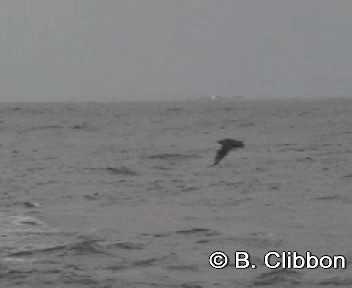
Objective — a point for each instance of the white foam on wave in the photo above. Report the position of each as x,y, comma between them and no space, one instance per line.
22,233
22,224
17,260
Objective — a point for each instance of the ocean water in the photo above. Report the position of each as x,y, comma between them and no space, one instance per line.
124,195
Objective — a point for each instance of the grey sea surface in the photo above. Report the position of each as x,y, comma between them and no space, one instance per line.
123,195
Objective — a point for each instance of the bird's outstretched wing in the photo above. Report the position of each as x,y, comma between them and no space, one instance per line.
226,146
220,154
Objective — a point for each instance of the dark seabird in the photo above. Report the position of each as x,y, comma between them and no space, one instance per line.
226,146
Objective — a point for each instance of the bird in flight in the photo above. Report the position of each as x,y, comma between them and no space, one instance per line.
226,146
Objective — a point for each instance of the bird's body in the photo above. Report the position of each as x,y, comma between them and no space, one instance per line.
226,146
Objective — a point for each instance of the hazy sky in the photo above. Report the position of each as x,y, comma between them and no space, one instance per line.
80,50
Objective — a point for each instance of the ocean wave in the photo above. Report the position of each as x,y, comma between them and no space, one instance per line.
39,128
173,156
281,276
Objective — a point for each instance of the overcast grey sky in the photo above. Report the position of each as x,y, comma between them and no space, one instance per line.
63,50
